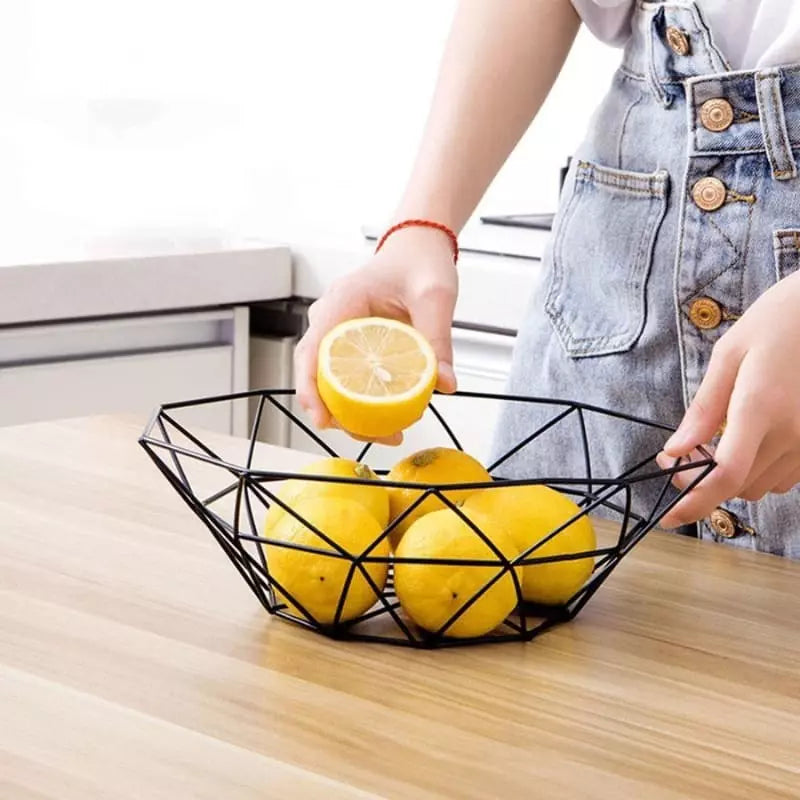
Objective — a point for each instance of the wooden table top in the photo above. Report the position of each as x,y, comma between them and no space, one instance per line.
134,663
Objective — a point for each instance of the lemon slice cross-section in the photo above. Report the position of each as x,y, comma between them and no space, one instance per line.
376,376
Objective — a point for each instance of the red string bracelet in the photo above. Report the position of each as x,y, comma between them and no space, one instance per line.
422,223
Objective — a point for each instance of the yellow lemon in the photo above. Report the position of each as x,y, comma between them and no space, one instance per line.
317,581
374,498
437,465
530,513
376,376
431,593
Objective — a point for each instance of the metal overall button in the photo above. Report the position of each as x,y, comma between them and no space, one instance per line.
724,524
716,115
705,313
678,41
709,194
727,525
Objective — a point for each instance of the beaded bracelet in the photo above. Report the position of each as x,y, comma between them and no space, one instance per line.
422,223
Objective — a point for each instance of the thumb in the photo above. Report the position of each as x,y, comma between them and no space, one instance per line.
432,315
707,411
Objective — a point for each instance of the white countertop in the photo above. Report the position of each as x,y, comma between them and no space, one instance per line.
67,279
77,279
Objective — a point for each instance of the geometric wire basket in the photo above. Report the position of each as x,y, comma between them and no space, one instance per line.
231,490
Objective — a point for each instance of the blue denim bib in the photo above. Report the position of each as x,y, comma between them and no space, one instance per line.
680,208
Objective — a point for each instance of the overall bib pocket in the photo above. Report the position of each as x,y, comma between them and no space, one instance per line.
601,257
786,246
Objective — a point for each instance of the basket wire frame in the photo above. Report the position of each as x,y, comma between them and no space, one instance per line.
174,449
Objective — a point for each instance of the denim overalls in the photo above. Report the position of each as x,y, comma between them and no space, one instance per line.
679,209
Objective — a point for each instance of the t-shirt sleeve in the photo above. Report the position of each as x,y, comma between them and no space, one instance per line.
608,20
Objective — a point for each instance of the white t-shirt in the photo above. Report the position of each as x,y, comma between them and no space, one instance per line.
750,33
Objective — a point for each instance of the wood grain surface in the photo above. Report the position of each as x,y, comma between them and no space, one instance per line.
134,663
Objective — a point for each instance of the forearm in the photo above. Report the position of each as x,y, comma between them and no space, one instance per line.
500,62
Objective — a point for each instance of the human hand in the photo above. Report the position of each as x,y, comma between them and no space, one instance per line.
412,279
752,385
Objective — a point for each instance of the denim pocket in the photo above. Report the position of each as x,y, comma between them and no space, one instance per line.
601,257
786,246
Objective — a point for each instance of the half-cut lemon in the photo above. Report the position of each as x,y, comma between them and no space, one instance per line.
375,375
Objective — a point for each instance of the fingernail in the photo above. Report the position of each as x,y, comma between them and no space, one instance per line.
676,441
446,375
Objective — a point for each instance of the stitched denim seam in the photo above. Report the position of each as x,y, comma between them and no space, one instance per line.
761,82
742,151
627,189
627,182
556,275
636,76
745,251
781,125
778,106
737,256
644,259
625,118
624,180
793,234
710,46
786,262
725,237
783,133
653,80
699,290
680,326
785,254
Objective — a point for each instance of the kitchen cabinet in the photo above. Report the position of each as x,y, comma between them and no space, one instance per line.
271,368
128,364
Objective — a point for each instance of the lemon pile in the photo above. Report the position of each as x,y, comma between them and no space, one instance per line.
329,560
447,577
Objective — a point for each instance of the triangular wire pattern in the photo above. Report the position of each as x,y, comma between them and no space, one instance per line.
234,507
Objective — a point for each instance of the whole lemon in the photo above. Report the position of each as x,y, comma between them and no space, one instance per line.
431,593
529,513
436,465
317,581
374,498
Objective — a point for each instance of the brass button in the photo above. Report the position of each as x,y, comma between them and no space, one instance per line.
705,313
723,523
678,41
716,115
709,194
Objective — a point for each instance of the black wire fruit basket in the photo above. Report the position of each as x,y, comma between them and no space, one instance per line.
231,484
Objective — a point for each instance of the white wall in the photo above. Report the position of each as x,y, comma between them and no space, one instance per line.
174,119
